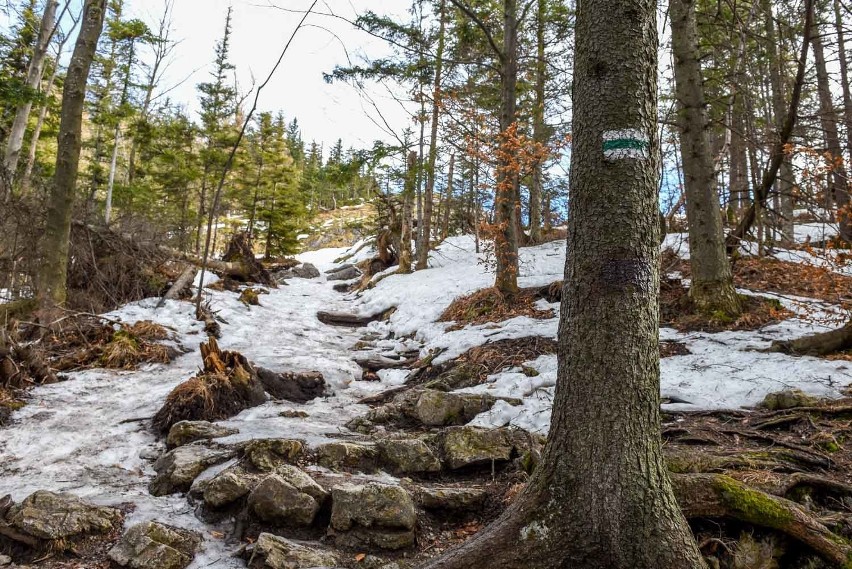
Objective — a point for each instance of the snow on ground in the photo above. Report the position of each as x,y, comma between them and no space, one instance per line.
89,435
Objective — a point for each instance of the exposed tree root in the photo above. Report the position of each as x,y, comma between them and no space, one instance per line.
820,344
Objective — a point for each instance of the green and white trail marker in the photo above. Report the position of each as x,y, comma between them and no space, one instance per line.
625,144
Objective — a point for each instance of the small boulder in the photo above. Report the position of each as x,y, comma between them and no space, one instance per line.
372,505
788,399
451,499
277,501
438,408
408,456
227,487
5,559
344,273
46,515
347,456
274,552
268,454
177,469
185,432
473,446
300,480
152,545
306,271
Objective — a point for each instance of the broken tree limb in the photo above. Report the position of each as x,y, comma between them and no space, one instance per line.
817,344
720,496
181,284
377,362
298,387
350,320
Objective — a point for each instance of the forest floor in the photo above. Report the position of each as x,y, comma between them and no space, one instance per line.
90,435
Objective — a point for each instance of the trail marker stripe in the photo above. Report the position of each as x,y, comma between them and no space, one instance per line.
625,144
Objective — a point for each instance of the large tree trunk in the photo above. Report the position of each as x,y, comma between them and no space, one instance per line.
426,236
505,213
51,284
34,75
601,497
712,289
834,154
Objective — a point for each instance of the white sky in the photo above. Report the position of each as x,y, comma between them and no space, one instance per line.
325,112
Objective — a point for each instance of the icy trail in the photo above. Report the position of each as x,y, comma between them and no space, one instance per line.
89,435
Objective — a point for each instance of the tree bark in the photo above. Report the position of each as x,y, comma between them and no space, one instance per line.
844,77
712,289
601,497
426,236
52,279
34,76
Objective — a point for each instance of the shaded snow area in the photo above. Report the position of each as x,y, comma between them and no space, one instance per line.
90,435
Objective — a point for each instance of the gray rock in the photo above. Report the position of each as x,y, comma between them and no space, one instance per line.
274,552
227,487
46,515
451,498
438,408
276,500
471,446
268,454
300,480
306,271
347,456
788,399
179,467
5,560
344,273
152,545
408,456
370,505
185,432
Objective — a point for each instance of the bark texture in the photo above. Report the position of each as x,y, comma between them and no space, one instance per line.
712,289
51,285
601,497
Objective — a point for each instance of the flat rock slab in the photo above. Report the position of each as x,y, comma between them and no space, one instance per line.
152,545
373,515
185,432
46,515
177,469
274,552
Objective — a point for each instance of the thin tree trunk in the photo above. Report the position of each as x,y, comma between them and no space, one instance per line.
426,230
505,212
844,77
601,497
448,196
34,77
834,157
539,133
405,256
712,289
52,279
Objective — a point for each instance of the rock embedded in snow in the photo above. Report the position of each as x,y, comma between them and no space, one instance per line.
343,273
274,552
451,499
277,501
268,454
185,432
438,408
347,456
373,514
46,515
473,446
408,456
177,469
227,487
152,545
788,399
